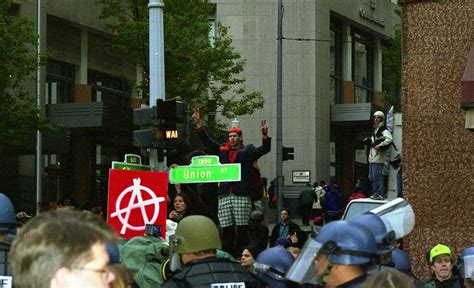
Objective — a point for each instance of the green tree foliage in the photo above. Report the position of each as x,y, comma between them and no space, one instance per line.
392,78
205,74
18,112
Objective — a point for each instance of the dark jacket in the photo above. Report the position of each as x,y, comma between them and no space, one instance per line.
292,228
333,202
208,271
258,236
454,282
245,156
307,197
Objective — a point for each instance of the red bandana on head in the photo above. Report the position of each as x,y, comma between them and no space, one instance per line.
236,130
227,146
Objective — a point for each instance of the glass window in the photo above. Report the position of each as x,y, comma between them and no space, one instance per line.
109,88
59,82
362,68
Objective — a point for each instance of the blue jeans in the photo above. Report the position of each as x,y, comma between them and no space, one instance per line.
377,179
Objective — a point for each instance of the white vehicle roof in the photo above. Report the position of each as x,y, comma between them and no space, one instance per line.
360,206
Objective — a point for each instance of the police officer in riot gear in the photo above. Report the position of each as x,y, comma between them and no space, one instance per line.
194,248
7,230
339,256
271,266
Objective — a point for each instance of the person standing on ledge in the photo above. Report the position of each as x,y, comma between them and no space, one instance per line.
234,203
379,142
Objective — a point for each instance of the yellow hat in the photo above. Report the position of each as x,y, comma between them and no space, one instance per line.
439,249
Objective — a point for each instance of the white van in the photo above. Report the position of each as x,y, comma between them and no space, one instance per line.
360,206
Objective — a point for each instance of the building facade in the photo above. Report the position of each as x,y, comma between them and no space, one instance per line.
85,91
332,83
332,79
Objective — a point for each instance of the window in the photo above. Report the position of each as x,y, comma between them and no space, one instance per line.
109,89
362,67
59,82
212,24
335,62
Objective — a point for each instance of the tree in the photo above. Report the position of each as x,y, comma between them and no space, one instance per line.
202,73
18,112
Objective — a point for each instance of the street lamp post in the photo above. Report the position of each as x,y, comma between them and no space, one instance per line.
279,144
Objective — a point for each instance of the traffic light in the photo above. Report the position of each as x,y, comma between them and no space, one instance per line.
167,125
288,153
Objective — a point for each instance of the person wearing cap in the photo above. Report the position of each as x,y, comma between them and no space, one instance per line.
234,203
194,262
440,259
22,217
379,142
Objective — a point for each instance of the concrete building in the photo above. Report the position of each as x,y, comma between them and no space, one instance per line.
84,88
332,83
332,79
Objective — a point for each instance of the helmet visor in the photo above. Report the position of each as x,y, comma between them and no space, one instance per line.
175,259
303,269
469,267
398,215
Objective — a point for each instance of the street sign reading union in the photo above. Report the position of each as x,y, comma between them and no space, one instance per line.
205,169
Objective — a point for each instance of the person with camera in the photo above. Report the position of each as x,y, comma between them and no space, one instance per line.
379,142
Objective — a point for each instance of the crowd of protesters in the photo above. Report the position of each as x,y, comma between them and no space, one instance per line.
218,236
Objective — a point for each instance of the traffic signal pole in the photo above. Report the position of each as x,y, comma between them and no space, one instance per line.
157,66
279,144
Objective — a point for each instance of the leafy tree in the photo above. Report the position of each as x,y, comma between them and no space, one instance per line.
18,111
202,73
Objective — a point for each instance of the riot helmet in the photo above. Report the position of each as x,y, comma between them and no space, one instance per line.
401,261
196,233
382,231
397,215
341,242
466,263
7,214
271,266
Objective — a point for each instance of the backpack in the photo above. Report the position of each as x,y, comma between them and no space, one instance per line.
257,185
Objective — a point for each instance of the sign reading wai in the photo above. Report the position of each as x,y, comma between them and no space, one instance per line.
136,198
205,169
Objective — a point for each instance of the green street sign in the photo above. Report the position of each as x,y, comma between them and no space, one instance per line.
128,166
132,162
205,160
213,172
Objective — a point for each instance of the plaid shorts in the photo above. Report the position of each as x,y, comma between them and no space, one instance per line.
234,210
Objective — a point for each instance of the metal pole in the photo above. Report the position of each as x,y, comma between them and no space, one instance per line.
157,65
39,140
279,144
